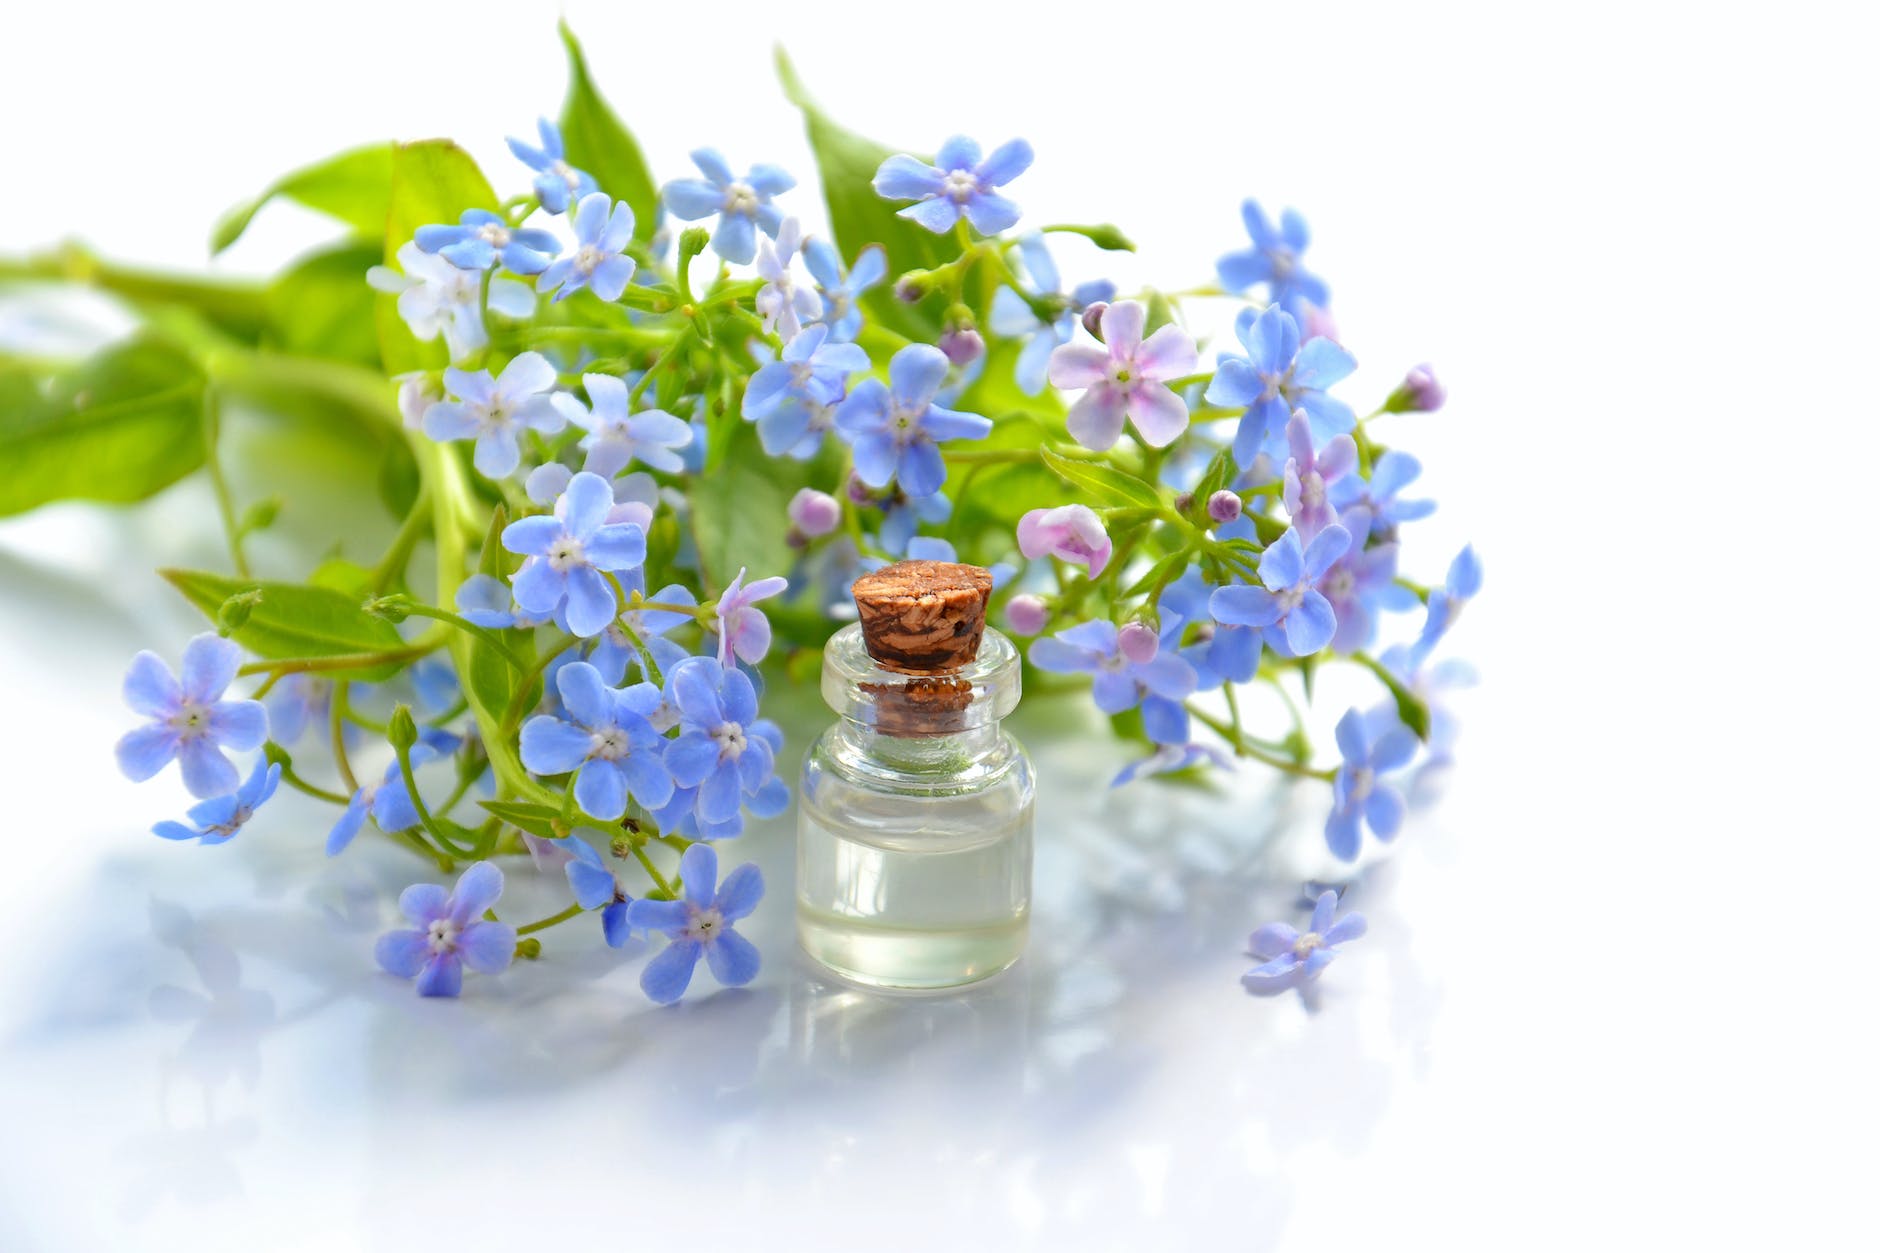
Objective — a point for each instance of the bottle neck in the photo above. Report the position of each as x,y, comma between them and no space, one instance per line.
918,754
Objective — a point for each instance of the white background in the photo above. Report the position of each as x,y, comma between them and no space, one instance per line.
1615,994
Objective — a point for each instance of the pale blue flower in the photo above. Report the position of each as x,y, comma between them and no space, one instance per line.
701,924
1277,376
388,802
450,933
786,396
483,238
958,184
1274,260
1126,672
602,231
596,886
221,818
1014,317
1379,495
718,751
1294,616
556,182
571,551
895,428
841,293
1359,794
606,738
742,204
493,411
190,722
1290,958
617,437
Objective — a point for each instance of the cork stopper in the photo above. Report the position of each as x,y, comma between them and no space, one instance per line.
923,617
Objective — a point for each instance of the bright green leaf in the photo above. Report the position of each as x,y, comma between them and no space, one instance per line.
538,820
598,142
321,306
738,519
354,186
120,427
296,620
1110,485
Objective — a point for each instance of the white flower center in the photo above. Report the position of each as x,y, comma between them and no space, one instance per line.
565,172
443,935
1290,598
1363,779
741,198
1283,262
493,234
234,824
566,554
610,744
1339,584
1312,489
704,925
730,740
960,186
801,372
1303,946
190,721
589,258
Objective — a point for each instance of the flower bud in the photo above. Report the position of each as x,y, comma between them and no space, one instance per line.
402,731
1138,642
391,608
1027,614
692,240
814,513
1184,501
528,948
1093,317
911,287
1223,507
236,611
1420,392
963,345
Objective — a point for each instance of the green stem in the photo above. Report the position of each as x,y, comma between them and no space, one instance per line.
416,526
337,731
542,924
344,661
429,823
224,499
1244,747
293,780
464,624
652,871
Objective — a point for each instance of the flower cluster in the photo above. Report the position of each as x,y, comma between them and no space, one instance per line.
646,462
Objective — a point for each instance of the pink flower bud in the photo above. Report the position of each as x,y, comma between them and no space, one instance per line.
859,492
1138,642
1093,317
1071,532
963,345
815,513
1223,506
1026,614
1418,393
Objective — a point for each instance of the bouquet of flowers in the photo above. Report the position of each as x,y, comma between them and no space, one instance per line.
640,437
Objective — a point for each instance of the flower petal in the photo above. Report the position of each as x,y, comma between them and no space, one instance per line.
666,977
734,960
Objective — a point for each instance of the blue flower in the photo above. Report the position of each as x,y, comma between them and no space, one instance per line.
785,396
556,182
742,204
596,886
957,184
895,428
700,924
190,723
1390,474
614,648
1013,317
1129,669
1274,260
901,516
1291,959
1293,614
493,410
841,293
221,818
569,550
1359,796
297,701
1460,586
483,238
1276,377
388,801
718,751
1221,652
450,933
606,738
602,231
616,437
487,601
1168,758
1361,584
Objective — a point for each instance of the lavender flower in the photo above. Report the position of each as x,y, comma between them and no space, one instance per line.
742,204
221,818
450,933
1308,475
388,801
1027,614
1289,958
743,631
895,428
616,437
782,304
784,396
1274,260
190,722
602,231
959,184
483,238
556,182
1294,616
436,298
1126,378
813,513
717,751
569,554
1276,377
493,411
701,923
1159,682
1420,392
1378,496
606,738
841,293
1359,796
1361,584
1071,533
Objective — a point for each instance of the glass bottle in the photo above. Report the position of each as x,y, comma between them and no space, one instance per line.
915,813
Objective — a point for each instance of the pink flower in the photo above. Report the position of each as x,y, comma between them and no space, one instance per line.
742,628
1307,475
1071,532
1126,377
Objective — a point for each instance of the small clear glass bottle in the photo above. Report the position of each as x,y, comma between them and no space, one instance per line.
915,820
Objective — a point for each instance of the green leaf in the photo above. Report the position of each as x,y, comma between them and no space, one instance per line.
1108,483
120,427
433,180
296,620
1219,474
599,143
738,519
858,217
354,186
493,679
535,819
322,307
1103,235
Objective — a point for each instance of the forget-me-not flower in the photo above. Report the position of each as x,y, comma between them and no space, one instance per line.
489,602
1274,260
1291,958
1126,377
296,702
743,630
1127,671
602,231
1359,794
1072,533
1361,584
493,410
1222,652
570,550
556,182
958,184
617,437
221,818
1380,495
190,722
717,752
1277,376
742,204
1293,614
596,886
785,395
1460,586
481,239
436,298
901,516
606,738
450,932
1168,758
388,801
1013,317
700,923
841,293
1309,475
783,303
895,428
615,648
